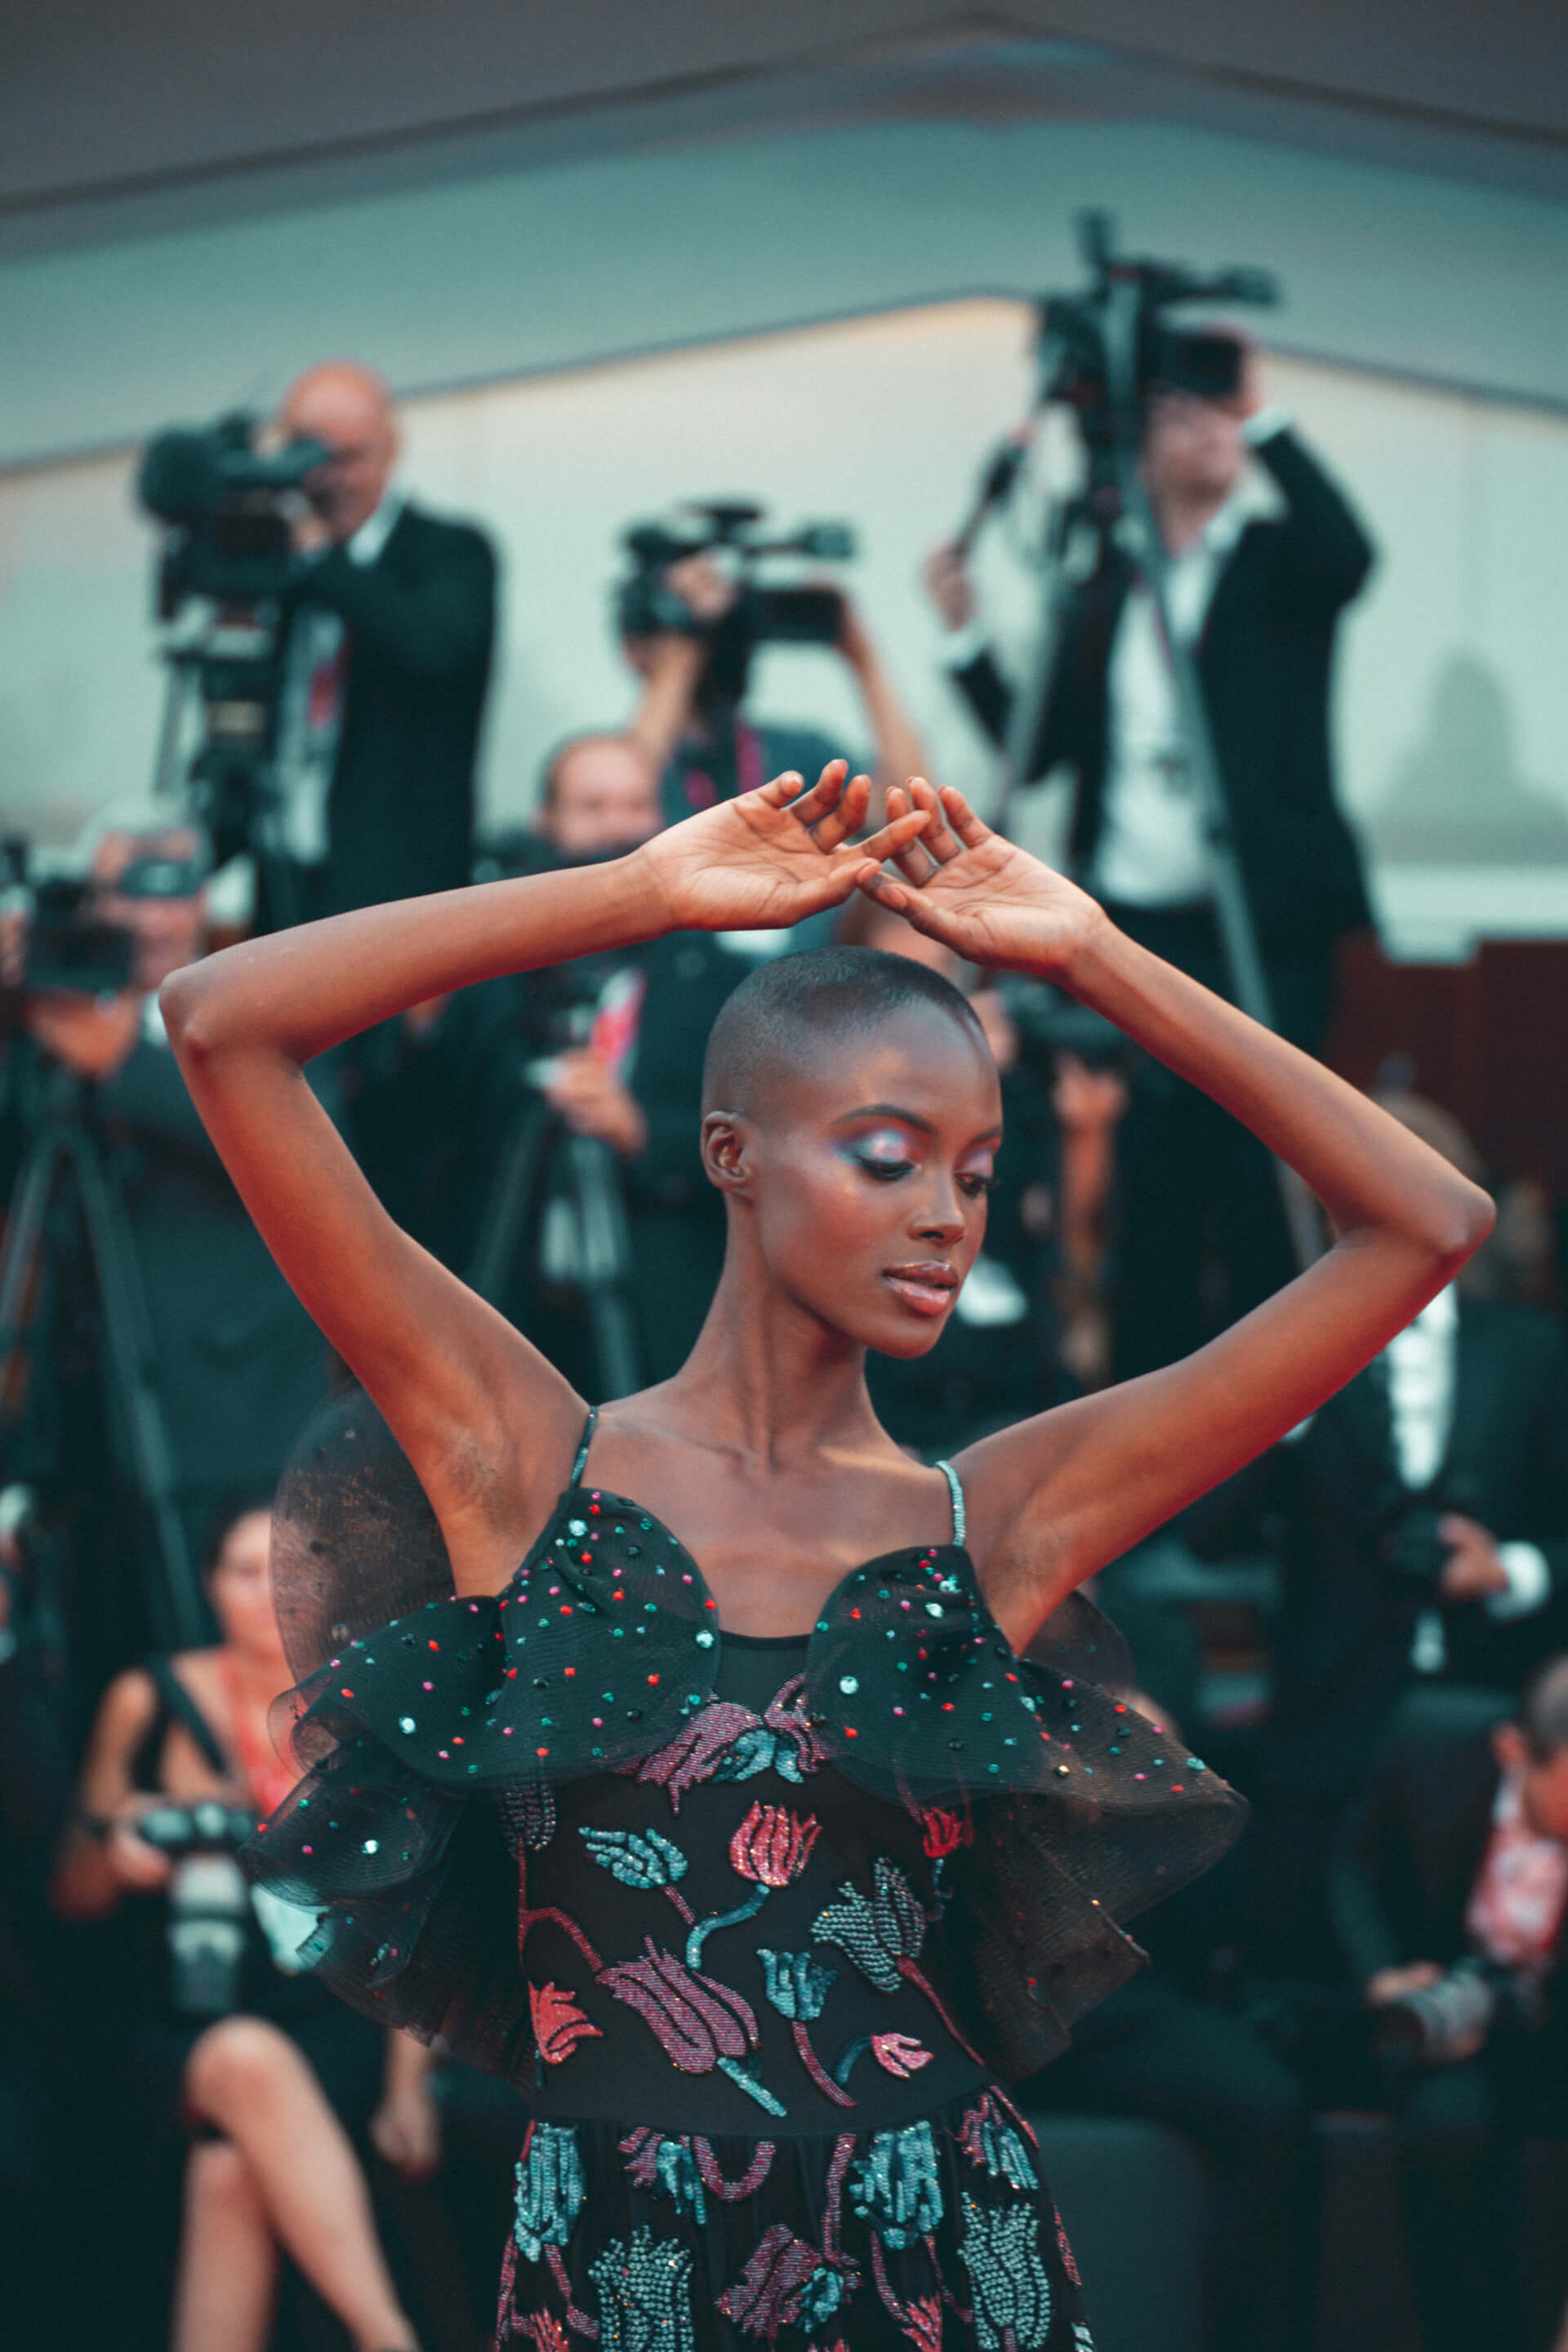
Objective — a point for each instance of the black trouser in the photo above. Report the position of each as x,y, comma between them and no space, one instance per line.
1484,2184
1203,1238
1154,2053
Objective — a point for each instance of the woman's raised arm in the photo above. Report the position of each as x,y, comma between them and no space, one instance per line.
483,1417
1057,1496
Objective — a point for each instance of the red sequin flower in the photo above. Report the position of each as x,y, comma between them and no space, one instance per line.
558,2023
772,1845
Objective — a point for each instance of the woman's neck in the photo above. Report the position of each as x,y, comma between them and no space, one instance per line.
770,1379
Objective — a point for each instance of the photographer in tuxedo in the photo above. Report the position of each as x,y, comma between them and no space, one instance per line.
1447,1889
386,660
1265,554
1422,1524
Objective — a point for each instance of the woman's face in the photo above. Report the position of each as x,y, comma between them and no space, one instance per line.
869,1165
240,1588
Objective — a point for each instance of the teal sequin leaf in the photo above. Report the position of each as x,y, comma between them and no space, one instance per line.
636,1858
550,2190
896,2187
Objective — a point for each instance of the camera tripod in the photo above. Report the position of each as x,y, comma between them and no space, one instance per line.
1116,495
65,1195
538,1143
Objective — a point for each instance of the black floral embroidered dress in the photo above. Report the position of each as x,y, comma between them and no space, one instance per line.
755,1925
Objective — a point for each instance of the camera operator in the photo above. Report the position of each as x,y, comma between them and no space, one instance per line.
231,2041
236,1364
1264,557
616,1053
1448,1887
385,663
691,721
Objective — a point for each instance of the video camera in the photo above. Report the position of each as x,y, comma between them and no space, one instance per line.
65,946
228,542
222,499
645,603
209,1903
1080,363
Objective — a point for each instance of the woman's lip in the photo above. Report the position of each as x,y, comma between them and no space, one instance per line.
926,1295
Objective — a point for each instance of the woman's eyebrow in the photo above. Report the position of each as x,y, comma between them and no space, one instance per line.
913,1119
888,1110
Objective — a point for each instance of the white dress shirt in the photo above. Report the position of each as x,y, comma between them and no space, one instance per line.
311,704
1422,1366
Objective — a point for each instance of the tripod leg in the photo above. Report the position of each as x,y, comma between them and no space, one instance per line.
511,1197
178,1609
606,1279
24,1232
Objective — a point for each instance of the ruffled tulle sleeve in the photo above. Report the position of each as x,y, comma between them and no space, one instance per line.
430,1733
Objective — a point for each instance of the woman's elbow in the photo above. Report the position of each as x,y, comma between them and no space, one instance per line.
1460,1223
189,1005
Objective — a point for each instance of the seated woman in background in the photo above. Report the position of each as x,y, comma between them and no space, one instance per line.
237,2043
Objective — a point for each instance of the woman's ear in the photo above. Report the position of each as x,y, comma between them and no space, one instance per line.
726,1153
1510,1749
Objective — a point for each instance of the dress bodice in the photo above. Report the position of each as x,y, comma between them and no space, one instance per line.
732,1929
1020,1809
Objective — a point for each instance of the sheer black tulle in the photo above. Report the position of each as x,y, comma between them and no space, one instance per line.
426,1725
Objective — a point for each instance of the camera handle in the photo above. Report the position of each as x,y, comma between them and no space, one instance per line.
538,1132
66,1151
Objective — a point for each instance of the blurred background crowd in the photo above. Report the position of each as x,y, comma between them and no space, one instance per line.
1143,577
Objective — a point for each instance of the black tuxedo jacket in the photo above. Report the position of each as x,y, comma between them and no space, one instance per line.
1264,660
1342,1645
1411,1843
421,625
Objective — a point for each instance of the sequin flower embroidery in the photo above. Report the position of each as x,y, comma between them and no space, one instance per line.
1012,2293
700,2024
786,2284
896,2187
558,2023
644,2295
550,2190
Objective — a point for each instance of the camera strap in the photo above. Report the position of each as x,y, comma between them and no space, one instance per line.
179,1704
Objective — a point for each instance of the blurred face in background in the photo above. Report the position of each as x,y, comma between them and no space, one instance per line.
240,1588
602,797
166,930
347,409
1193,448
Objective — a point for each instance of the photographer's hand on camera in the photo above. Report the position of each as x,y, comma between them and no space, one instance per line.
593,1101
946,577
93,1035
1474,1568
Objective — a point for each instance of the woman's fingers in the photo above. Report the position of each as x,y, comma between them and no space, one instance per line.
779,790
823,798
970,829
936,839
894,836
910,864
847,817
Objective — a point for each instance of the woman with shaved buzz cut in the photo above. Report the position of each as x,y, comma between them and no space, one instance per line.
680,1757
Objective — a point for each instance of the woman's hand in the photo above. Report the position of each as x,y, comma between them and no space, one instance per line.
988,901
770,858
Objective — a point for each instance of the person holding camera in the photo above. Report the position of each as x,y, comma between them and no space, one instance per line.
1449,1888
1265,554
233,2041
390,626
234,1367
691,721
611,1047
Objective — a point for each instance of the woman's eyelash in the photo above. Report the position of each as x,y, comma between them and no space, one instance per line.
887,1169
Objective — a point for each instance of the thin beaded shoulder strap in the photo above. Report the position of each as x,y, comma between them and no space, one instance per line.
582,1462
955,1486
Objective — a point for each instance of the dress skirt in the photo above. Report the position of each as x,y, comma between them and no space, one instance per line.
937,2234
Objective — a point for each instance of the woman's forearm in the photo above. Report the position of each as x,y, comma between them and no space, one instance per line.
301,991
1365,1168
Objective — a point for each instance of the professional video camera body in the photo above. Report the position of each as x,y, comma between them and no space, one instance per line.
211,1907
226,565
762,612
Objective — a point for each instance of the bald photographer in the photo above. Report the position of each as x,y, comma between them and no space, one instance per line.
389,629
